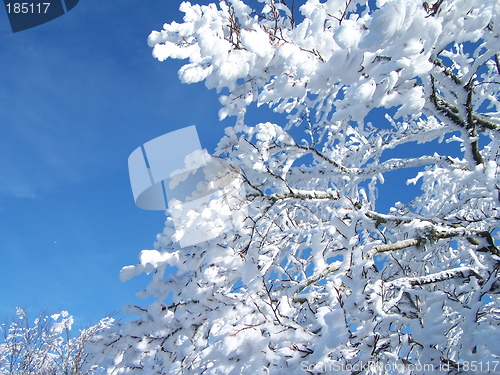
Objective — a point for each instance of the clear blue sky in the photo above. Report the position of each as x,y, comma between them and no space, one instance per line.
77,96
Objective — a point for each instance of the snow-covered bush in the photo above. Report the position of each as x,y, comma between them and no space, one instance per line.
45,346
315,277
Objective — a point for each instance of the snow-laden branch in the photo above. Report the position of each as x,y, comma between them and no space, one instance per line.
392,247
296,278
433,232
459,272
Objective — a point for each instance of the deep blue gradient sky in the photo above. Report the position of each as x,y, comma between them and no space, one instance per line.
77,96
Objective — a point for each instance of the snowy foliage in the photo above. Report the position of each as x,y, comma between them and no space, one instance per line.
45,346
314,274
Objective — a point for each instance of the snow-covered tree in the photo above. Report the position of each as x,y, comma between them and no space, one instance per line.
314,277
45,346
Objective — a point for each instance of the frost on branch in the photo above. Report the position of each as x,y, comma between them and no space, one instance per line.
45,346
313,272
